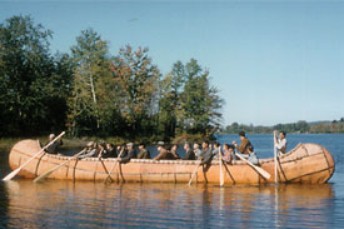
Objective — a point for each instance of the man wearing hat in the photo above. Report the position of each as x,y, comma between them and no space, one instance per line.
90,150
52,149
128,154
164,154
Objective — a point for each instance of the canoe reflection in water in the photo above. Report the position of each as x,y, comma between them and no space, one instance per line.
63,204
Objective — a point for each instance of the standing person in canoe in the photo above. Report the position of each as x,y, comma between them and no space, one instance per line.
52,149
280,142
244,144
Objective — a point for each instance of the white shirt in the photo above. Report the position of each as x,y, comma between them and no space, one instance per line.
281,146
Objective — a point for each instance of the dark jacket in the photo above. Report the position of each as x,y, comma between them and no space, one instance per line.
144,154
189,155
126,156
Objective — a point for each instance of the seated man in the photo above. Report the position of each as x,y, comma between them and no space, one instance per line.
189,153
229,155
217,150
174,152
110,151
197,151
206,153
91,150
128,154
143,152
52,149
164,154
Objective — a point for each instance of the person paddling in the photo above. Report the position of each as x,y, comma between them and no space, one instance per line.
244,144
52,149
280,142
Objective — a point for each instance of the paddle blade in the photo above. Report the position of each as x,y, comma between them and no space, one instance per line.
44,175
262,172
12,174
259,170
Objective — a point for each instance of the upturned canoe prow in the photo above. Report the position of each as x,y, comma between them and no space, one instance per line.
306,163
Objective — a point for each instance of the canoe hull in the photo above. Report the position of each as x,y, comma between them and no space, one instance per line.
307,163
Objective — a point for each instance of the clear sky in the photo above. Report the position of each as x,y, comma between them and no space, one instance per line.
273,61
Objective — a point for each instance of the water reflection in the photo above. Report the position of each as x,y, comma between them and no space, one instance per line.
4,202
60,204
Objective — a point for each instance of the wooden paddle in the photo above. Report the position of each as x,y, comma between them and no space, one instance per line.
222,178
194,172
114,166
105,169
16,171
261,171
46,174
275,159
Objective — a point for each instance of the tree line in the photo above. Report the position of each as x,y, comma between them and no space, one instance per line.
91,92
335,126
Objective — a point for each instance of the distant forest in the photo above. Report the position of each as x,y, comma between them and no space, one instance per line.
91,92
335,126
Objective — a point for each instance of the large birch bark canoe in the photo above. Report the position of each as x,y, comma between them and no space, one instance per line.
306,163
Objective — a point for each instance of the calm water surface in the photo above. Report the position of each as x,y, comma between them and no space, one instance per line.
62,204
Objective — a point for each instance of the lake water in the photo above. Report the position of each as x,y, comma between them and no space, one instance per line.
63,204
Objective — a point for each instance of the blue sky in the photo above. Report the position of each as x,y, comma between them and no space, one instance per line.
273,61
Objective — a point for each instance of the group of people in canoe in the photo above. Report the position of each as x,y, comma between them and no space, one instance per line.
204,152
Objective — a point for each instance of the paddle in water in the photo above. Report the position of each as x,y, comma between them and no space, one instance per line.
16,171
46,174
194,172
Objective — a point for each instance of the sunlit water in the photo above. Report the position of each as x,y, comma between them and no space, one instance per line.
63,204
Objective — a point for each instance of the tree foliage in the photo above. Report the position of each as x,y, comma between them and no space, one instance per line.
136,88
94,93
88,110
28,76
188,103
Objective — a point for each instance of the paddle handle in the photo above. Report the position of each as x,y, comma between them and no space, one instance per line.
16,171
275,159
222,179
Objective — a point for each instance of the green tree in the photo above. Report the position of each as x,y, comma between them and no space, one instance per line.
171,112
90,106
201,102
27,77
136,86
188,102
